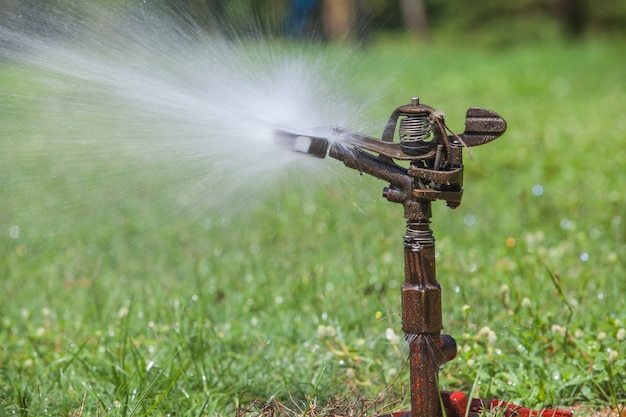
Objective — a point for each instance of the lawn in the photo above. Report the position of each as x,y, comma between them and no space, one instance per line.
124,296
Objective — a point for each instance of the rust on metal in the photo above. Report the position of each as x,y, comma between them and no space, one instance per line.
435,172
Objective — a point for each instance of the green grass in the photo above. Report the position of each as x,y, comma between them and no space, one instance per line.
127,305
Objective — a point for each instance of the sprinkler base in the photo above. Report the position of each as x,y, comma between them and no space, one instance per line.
457,404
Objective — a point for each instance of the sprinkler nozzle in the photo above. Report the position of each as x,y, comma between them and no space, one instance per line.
316,146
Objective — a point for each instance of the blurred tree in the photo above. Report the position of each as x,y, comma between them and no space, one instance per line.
414,16
338,18
573,15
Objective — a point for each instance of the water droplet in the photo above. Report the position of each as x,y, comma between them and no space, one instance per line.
565,224
469,219
537,190
584,256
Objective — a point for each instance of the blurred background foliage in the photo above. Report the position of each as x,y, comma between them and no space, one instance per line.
497,21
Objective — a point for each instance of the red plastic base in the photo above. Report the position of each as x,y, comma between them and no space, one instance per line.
457,404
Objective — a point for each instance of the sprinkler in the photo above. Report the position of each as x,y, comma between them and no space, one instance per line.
423,166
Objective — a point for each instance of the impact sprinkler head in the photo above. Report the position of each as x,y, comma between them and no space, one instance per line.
433,150
435,172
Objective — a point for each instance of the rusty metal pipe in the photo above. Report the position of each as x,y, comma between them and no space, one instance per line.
425,359
421,293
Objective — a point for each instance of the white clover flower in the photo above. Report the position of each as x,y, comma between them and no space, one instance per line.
492,337
466,309
123,312
526,303
612,355
555,328
484,331
601,336
621,334
389,333
393,338
331,331
350,373
321,332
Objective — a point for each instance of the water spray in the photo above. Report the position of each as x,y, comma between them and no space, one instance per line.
434,155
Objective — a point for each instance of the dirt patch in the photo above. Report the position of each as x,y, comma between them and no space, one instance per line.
336,407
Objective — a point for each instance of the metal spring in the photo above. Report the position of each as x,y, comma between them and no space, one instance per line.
414,130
